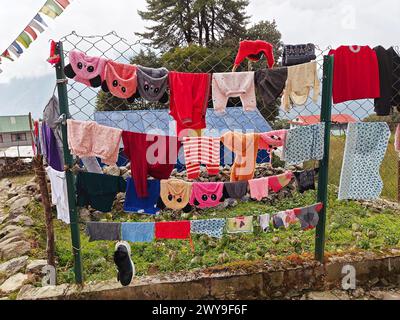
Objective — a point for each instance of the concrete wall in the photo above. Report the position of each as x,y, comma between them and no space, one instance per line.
7,140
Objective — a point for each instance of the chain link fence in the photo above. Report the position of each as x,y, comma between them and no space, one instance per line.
87,103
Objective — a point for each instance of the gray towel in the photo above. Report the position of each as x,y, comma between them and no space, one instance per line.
152,83
103,231
235,190
270,83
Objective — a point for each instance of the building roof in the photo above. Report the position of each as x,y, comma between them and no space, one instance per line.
146,121
14,123
313,119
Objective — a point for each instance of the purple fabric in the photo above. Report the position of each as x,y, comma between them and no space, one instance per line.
51,148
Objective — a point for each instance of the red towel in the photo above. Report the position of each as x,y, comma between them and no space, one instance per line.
172,230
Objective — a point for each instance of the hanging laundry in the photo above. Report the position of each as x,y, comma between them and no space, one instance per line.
175,194
152,84
355,73
397,139
59,193
304,143
206,194
85,69
235,190
233,84
245,147
210,227
148,204
91,165
172,230
89,139
298,54
153,155
120,80
301,78
239,224
137,231
277,220
103,231
366,144
258,188
389,80
289,218
201,150
52,150
189,94
276,183
270,83
98,190
253,50
271,140
305,179
308,216
264,220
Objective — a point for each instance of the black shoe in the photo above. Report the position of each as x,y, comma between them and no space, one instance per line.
122,258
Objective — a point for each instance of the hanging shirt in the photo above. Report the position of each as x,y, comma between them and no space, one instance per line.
366,144
300,79
270,83
355,73
235,190
253,49
276,183
298,54
206,194
150,154
258,188
59,193
98,190
148,204
52,150
175,193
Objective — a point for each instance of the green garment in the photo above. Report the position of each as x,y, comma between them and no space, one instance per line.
98,190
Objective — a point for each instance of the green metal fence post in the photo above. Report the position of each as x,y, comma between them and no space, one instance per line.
326,112
64,111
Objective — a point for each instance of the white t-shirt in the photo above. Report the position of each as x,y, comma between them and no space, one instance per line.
59,194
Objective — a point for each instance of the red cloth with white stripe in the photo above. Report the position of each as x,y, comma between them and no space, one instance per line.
201,150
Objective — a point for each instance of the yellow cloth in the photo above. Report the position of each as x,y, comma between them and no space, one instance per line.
245,147
172,190
301,78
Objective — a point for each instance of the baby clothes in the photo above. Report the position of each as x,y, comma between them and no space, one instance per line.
175,193
280,181
289,218
103,231
51,148
298,54
308,216
301,78
98,190
148,204
120,79
264,220
211,227
188,99
272,139
235,190
153,155
253,49
366,144
85,69
137,231
277,220
172,230
205,150
397,139
239,224
270,83
152,84
206,194
304,143
305,180
258,188
233,84
89,139
59,193
245,147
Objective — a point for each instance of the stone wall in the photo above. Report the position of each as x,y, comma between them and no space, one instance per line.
15,167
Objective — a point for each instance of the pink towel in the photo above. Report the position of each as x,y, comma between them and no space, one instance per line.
258,188
397,139
89,139
280,181
206,194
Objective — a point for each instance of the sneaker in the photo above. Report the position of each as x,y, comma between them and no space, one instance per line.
122,258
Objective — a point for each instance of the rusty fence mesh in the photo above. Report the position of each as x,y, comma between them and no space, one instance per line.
87,103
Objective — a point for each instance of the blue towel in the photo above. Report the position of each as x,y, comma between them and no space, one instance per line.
137,231
146,205
211,227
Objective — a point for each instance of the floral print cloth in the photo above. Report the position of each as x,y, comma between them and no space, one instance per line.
211,227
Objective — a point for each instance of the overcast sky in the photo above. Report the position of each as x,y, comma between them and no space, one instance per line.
327,22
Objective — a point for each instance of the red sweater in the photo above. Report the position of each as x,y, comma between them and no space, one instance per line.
355,73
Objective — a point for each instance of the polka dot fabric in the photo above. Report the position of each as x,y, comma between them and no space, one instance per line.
366,144
211,227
